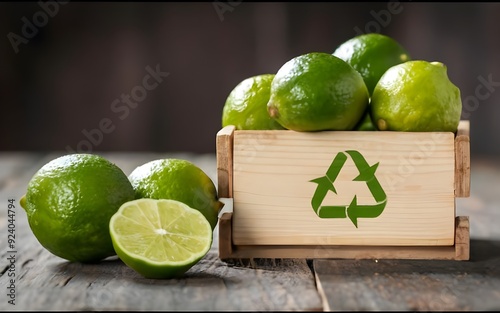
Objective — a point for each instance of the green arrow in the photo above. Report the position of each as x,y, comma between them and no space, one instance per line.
377,191
367,173
337,164
332,211
355,211
325,183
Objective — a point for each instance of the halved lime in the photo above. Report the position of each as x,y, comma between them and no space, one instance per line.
160,238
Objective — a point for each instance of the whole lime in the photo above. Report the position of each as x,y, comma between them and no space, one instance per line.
246,105
371,55
69,202
416,96
177,179
317,91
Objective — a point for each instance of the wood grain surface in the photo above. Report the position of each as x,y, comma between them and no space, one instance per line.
273,170
422,285
46,282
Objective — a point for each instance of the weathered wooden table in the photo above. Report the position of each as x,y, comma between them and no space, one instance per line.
33,279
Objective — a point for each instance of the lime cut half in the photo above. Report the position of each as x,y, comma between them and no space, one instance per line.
160,238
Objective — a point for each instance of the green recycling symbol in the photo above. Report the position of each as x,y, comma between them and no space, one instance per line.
352,210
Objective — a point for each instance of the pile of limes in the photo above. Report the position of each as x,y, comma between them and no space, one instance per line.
159,220
369,82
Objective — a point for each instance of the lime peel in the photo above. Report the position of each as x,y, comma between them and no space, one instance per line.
246,105
178,255
180,180
416,96
69,202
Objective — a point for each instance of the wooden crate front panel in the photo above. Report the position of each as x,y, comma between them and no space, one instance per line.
272,188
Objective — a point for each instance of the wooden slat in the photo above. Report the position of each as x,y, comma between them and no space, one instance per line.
413,285
224,150
462,238
225,236
46,282
462,160
459,251
344,252
272,189
426,285
49,283
224,229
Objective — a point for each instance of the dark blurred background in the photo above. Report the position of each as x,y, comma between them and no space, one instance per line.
74,76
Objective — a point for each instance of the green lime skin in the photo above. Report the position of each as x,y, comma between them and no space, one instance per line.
246,105
160,238
317,91
180,180
69,202
371,55
416,96
366,123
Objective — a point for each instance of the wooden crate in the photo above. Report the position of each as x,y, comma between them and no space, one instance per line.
343,194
